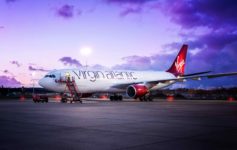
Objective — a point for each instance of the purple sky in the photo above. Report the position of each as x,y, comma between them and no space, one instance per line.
38,36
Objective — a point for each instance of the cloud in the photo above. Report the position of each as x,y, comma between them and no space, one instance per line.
70,61
7,72
9,81
130,6
130,10
188,13
194,13
210,30
35,68
98,67
15,63
129,1
155,62
66,11
134,63
10,1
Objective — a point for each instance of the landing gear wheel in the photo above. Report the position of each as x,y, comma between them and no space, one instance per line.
150,98
120,97
63,100
116,97
111,98
146,97
141,99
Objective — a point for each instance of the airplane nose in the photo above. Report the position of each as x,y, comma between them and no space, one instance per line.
41,82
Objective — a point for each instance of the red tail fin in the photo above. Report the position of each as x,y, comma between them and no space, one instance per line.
178,65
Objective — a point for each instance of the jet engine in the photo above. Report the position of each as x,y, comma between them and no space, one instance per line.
137,90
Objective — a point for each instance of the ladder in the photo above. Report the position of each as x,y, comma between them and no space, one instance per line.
72,88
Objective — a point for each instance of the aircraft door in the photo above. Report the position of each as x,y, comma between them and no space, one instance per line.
69,76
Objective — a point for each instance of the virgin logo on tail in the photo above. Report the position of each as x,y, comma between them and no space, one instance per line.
179,64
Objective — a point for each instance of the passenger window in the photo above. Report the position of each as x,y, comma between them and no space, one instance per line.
50,76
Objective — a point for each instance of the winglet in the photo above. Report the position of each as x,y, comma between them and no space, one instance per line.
178,65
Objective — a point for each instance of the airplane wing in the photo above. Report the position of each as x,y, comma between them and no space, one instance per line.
197,73
195,77
219,75
178,79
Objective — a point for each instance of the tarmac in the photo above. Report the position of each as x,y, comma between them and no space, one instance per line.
162,124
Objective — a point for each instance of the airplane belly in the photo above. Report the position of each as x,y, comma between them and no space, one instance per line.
160,86
99,86
92,87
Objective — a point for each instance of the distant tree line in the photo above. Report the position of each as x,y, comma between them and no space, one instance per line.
14,92
181,93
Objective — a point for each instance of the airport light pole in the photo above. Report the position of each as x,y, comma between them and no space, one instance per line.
33,80
85,51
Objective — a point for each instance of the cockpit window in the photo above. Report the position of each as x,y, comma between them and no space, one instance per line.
50,76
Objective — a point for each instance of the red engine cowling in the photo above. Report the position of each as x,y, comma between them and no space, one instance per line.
137,90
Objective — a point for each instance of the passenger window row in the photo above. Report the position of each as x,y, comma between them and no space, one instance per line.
50,76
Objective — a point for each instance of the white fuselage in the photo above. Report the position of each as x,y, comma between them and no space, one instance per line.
91,81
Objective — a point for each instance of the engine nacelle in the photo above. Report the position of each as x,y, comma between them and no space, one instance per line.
137,90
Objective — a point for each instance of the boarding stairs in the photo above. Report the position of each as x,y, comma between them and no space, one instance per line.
72,88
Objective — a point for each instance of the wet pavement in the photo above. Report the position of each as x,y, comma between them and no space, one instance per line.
181,124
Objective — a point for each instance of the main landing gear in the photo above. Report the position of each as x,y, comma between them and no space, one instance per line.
146,97
116,97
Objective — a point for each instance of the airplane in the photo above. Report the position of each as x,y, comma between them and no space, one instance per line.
137,84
